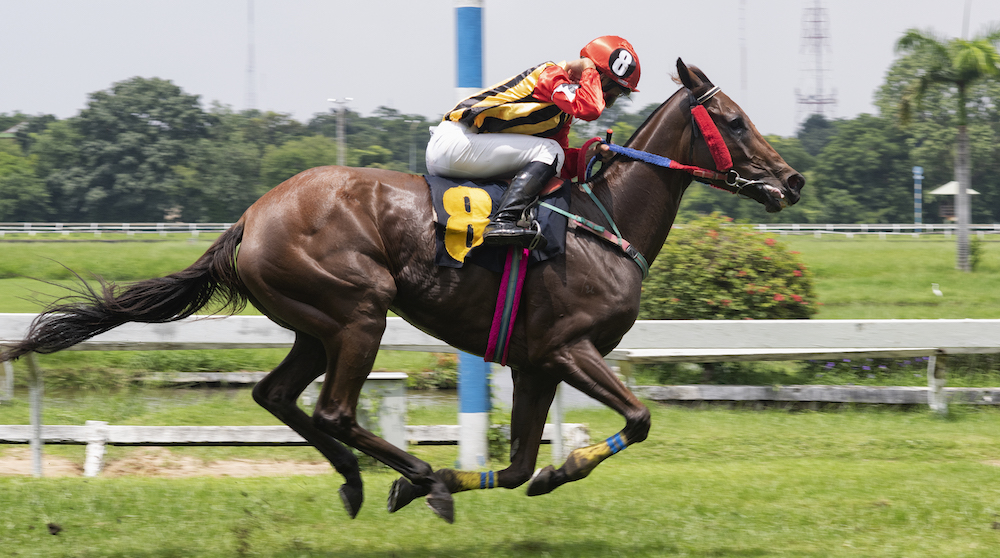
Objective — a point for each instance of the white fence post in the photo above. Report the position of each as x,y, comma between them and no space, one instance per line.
388,391
96,439
558,446
936,378
7,388
35,404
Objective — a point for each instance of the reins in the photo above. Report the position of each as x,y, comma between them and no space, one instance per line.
724,177
730,179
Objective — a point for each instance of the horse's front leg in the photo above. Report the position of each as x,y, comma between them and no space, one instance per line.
586,370
534,390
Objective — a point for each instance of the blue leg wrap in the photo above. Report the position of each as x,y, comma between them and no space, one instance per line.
616,443
487,480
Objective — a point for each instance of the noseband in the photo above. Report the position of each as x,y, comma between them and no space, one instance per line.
724,177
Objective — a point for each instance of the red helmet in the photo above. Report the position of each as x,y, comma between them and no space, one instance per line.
615,58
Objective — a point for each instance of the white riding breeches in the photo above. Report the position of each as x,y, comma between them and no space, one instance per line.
456,151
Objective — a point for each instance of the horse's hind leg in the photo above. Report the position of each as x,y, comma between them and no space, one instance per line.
278,393
351,353
586,370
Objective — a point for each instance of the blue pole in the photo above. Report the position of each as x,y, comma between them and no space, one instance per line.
473,372
918,197
468,47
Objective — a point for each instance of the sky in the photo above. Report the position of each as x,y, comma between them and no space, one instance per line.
401,53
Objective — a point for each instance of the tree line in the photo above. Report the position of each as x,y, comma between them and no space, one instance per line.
145,150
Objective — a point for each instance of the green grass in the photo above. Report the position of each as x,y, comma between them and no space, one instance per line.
868,278
862,277
118,261
708,482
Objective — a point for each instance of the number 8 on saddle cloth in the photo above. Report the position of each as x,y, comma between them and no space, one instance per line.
463,210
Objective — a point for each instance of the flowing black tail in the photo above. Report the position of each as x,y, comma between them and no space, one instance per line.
90,312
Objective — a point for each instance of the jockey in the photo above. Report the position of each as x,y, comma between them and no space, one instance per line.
520,127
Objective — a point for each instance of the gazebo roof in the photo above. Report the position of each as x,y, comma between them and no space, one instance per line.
949,189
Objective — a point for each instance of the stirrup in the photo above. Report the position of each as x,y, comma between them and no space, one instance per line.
515,234
538,241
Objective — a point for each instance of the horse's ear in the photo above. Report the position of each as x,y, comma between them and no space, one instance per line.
685,75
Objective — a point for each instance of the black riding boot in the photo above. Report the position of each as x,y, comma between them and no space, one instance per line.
506,224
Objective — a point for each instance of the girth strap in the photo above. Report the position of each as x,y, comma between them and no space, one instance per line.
578,222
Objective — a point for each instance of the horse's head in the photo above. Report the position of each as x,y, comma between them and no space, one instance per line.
733,146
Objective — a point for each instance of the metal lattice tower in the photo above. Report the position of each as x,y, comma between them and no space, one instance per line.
815,98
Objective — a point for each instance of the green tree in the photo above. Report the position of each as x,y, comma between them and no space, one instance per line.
955,63
29,126
262,129
221,177
401,139
58,166
220,181
8,121
815,133
134,135
22,194
864,173
932,134
281,163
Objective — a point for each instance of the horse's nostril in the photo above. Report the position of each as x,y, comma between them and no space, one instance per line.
796,182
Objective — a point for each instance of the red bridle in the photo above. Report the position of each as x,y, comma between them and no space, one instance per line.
724,176
717,145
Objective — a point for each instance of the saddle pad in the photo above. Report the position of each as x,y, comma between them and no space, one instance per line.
463,210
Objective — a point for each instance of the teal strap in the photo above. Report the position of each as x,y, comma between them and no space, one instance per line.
604,234
572,217
614,227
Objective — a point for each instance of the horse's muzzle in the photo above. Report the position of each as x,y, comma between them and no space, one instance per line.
776,198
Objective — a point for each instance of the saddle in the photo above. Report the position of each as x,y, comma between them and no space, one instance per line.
462,210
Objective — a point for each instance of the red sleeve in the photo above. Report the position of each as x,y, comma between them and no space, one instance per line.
571,165
583,100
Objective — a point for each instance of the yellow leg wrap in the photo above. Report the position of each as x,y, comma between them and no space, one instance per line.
460,481
582,461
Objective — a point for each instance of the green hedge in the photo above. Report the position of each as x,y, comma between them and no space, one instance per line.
712,269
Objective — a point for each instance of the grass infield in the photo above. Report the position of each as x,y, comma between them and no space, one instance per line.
708,482
861,277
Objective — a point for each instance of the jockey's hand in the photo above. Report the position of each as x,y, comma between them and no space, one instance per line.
598,149
575,68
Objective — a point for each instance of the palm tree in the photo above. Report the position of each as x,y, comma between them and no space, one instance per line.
953,63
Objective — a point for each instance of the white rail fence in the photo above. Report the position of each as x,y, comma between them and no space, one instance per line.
98,229
881,230
387,389
195,229
97,435
648,341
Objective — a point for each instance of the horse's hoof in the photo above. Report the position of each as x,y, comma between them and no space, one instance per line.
541,481
443,506
352,497
401,494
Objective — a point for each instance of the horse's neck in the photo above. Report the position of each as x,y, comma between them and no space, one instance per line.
645,197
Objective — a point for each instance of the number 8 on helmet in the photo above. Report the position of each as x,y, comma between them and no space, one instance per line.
615,58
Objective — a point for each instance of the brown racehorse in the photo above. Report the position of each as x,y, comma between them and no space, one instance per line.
328,252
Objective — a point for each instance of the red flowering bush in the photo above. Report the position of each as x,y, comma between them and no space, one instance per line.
711,269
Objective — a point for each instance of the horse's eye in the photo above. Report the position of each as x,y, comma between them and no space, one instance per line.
737,125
